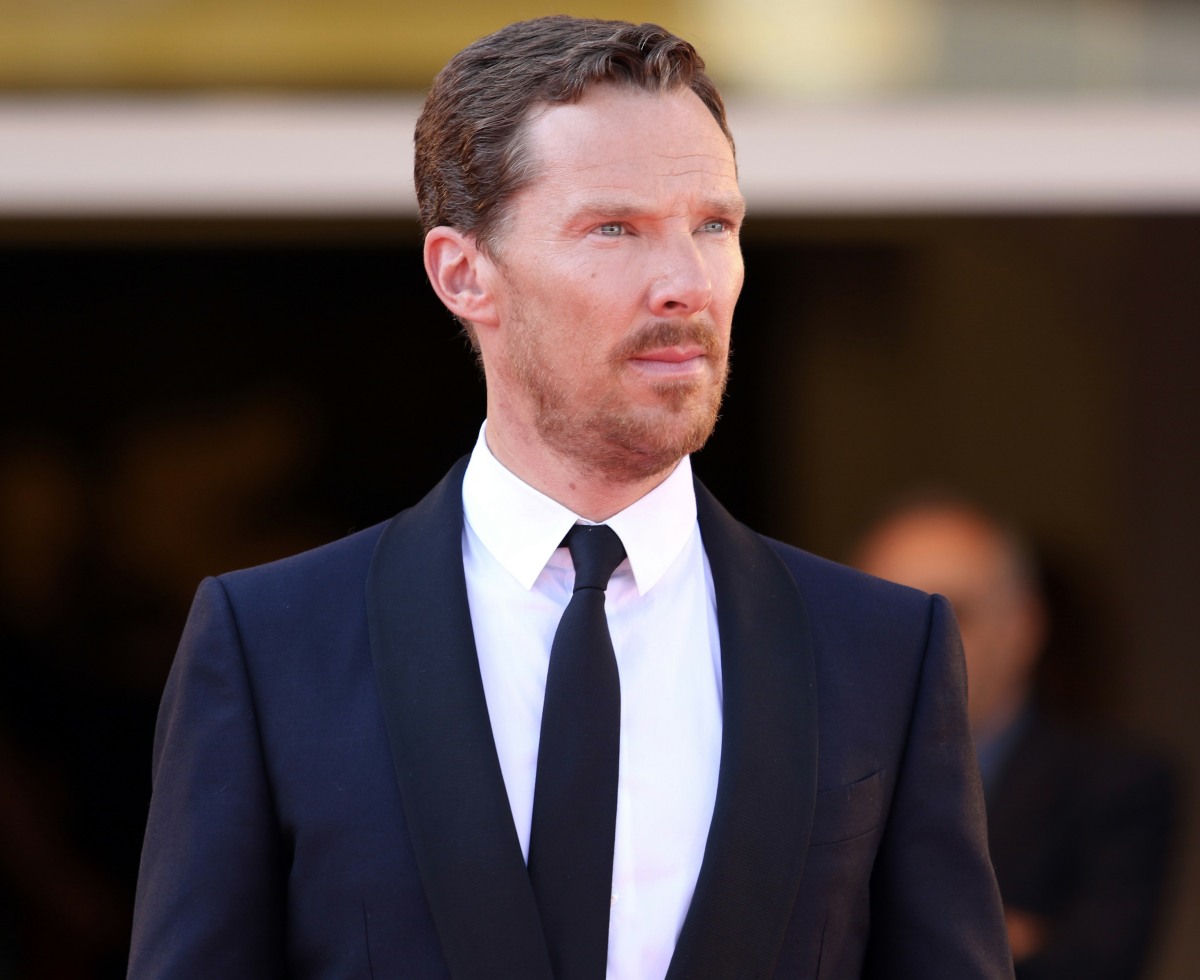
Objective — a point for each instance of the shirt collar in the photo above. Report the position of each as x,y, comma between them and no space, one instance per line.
521,527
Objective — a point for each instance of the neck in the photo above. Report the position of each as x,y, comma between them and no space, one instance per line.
582,491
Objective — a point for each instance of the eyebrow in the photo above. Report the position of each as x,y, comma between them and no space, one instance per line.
725,205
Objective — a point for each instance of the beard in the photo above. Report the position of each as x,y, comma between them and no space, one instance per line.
612,437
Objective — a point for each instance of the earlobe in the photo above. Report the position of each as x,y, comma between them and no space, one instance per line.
455,267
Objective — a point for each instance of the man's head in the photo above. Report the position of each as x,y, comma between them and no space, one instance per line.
471,152
599,265
953,548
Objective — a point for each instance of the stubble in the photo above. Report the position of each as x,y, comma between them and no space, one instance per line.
614,438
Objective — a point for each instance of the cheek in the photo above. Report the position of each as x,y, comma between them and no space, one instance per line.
737,276
621,276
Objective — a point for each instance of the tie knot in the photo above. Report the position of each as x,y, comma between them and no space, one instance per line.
596,551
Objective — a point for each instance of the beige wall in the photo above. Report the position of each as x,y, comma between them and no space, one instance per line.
331,44
819,48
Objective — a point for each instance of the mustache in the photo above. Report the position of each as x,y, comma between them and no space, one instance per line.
671,333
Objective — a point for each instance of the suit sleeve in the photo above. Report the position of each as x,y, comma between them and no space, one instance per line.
210,897
935,907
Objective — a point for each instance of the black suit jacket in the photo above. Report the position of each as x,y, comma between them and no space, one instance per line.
328,801
1080,828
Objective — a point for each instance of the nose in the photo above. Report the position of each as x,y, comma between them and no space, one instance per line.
683,285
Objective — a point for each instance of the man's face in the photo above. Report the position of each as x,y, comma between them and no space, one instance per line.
615,275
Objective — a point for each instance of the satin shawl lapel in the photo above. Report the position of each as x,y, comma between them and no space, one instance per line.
766,790
441,739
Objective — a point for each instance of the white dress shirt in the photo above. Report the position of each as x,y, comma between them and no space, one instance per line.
662,617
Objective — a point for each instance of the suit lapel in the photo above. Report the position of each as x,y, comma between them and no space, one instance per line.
445,758
766,789
453,791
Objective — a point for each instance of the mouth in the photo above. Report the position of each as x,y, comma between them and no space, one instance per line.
668,351
679,361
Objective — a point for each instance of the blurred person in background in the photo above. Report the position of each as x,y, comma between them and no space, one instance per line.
1079,825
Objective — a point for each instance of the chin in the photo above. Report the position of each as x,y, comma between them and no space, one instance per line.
630,436
642,445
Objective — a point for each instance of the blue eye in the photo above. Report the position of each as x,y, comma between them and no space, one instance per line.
612,229
715,225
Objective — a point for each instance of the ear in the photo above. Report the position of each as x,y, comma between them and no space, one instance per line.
459,274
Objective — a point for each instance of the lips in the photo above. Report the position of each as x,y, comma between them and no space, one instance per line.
671,360
673,355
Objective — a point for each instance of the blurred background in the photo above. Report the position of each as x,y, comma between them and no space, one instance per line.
972,259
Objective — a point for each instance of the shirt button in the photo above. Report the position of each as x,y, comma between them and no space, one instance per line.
613,900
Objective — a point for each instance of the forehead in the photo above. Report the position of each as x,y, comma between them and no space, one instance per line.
618,138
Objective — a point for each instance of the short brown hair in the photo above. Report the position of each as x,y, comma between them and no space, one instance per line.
470,157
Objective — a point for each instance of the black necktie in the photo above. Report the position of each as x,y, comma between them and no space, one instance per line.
575,794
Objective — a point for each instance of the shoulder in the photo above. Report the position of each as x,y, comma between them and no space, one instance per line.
825,574
829,591
833,590
312,571
433,523
283,600
872,641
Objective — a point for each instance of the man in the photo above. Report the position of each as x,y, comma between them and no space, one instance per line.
1079,828
361,748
